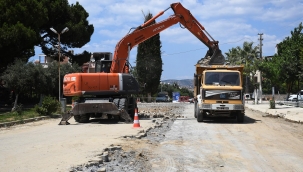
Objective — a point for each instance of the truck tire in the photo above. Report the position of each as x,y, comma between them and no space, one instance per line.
122,104
109,116
195,110
199,115
77,118
84,118
240,117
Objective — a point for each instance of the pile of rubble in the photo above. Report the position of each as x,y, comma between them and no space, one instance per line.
114,158
156,110
204,61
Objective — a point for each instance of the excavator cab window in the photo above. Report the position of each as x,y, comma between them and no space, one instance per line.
103,66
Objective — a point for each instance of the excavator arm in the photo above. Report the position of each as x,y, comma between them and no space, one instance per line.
147,30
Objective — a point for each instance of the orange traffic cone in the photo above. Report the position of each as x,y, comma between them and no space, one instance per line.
136,119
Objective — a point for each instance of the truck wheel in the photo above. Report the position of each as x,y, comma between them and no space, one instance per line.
84,118
195,110
109,116
240,117
77,118
199,115
122,103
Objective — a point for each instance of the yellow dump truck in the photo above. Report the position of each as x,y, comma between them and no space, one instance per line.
219,92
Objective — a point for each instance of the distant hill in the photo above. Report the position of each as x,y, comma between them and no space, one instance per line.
188,83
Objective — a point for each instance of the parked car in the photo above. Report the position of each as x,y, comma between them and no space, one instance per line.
162,99
294,97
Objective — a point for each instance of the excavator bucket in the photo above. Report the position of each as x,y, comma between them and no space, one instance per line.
217,58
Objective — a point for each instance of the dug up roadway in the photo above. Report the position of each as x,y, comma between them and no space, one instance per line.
290,113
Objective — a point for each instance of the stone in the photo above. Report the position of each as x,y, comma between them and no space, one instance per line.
103,169
118,147
104,157
111,148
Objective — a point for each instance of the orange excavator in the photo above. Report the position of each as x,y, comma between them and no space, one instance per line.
107,88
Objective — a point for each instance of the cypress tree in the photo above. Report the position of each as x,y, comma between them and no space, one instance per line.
149,62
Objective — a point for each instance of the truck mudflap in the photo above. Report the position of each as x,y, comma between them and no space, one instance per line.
84,108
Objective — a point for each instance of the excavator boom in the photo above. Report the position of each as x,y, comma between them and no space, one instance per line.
147,30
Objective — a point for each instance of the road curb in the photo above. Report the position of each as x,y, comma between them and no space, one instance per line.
24,121
276,115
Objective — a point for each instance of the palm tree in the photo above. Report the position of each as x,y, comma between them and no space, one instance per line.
233,56
246,55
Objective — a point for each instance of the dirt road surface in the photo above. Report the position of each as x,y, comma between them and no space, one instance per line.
46,146
260,144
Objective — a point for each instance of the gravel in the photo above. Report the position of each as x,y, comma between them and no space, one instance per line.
114,158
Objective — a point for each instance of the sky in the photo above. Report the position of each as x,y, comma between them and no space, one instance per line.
231,22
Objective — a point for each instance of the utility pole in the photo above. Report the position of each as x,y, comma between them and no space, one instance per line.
260,85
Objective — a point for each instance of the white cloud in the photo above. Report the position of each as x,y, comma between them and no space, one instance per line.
231,22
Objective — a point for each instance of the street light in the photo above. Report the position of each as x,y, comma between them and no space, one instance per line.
161,85
63,31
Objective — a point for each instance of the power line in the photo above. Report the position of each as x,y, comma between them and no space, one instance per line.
182,52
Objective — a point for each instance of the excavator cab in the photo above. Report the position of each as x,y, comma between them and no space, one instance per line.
102,61
103,66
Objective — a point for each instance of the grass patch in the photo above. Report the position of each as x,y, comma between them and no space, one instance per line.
14,116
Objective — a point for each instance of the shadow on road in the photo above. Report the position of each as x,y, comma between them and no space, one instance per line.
100,121
247,120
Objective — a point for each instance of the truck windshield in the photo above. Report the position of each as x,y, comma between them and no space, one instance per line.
222,78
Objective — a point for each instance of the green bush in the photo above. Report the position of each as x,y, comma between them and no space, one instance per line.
48,107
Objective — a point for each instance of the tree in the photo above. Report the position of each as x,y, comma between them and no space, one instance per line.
271,71
286,65
17,78
19,29
25,24
233,56
149,62
21,77
81,58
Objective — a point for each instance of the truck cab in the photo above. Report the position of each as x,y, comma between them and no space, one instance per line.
221,92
